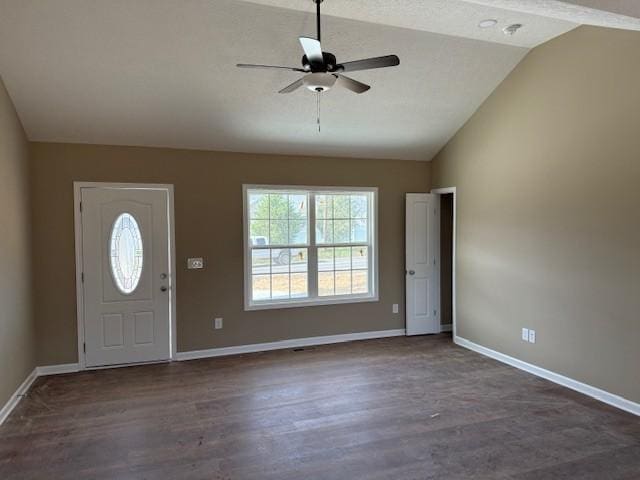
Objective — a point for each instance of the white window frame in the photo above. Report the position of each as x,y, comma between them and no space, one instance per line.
312,269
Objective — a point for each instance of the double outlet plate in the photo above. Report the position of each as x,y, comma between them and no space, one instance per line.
528,335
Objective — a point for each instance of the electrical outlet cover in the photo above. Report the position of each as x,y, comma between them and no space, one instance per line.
195,263
532,336
525,334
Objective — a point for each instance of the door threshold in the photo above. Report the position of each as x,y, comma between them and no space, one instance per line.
123,365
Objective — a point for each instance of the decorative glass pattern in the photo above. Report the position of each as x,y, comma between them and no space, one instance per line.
126,253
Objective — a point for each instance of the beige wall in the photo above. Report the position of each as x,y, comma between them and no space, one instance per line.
17,354
208,194
548,182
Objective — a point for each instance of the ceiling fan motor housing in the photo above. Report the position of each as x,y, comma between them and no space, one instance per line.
329,63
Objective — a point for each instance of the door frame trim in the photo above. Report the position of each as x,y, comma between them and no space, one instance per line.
77,221
442,191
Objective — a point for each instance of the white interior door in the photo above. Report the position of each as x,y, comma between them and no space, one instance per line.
422,263
125,272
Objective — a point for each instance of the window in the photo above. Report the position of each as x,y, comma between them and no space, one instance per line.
309,246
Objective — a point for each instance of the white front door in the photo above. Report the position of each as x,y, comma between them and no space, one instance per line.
422,264
125,275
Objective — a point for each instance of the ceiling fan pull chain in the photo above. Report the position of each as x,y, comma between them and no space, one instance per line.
319,93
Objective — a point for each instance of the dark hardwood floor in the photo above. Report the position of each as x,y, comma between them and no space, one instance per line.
398,408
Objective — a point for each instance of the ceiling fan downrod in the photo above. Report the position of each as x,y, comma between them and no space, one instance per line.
318,2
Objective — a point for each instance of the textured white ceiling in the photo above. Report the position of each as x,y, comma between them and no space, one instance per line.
162,73
449,17
624,14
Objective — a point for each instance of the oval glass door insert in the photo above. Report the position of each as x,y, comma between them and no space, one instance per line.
126,253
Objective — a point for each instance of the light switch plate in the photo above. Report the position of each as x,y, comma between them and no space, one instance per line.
217,323
195,263
532,336
525,334
394,309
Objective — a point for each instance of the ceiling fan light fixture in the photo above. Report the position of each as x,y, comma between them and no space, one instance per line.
319,82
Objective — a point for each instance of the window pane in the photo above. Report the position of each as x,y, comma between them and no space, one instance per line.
343,258
359,206
341,206
359,231
343,283
325,284
299,260
324,231
324,206
280,286
259,233
325,259
279,232
360,258
299,285
360,281
342,231
260,261
297,206
297,232
280,260
258,206
261,287
278,205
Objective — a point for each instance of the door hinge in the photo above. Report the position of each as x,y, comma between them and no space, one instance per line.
80,206
84,347
82,277
435,313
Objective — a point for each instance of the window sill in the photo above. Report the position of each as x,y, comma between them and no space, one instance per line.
309,303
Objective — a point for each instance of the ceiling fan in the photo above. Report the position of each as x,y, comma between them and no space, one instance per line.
323,70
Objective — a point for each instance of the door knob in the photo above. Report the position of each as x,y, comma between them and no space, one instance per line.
163,276
163,288
412,272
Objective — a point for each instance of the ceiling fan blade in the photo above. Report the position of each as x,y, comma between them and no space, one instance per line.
250,65
368,64
351,84
313,50
294,86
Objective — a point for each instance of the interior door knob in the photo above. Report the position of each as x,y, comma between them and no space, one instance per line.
412,272
163,288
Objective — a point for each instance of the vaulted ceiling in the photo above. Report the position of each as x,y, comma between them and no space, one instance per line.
162,73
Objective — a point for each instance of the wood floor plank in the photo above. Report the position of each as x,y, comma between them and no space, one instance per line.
400,408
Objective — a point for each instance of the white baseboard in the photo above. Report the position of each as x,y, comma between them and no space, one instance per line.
58,369
293,343
17,396
446,328
24,387
594,392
